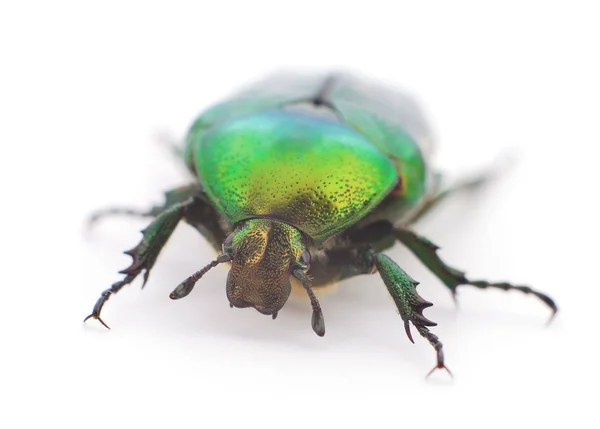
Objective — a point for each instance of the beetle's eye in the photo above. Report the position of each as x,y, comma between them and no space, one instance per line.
228,244
305,260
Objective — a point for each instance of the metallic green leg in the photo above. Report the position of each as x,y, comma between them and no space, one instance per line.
145,253
410,304
426,251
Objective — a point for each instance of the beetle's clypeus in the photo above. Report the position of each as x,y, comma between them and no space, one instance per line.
307,177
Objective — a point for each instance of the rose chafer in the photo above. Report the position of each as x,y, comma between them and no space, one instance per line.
307,179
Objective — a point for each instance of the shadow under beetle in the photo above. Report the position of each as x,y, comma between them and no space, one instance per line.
307,177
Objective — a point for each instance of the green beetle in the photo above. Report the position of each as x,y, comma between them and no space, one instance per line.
307,179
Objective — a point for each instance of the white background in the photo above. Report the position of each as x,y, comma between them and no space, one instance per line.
83,90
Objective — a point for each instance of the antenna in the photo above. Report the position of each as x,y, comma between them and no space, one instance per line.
317,321
185,287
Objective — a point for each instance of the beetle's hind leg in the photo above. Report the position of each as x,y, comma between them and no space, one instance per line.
463,185
426,252
172,197
170,143
466,185
121,211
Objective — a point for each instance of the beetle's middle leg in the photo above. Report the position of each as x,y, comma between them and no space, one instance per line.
403,290
426,252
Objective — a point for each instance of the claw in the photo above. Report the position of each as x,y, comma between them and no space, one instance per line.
145,279
100,303
98,318
92,220
439,367
440,364
437,345
552,316
408,333
455,297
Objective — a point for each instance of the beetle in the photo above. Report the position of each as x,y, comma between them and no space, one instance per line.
308,178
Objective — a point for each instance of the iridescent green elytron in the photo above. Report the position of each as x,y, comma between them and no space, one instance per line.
312,178
312,173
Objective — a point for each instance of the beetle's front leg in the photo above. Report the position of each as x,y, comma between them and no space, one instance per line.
410,304
145,253
426,252
349,261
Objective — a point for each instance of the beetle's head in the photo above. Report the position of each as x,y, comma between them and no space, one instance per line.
264,255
